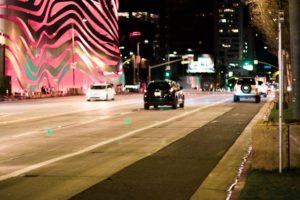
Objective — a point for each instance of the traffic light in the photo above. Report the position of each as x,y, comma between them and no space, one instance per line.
167,74
248,65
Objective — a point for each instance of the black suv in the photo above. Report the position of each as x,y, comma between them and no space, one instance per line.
163,93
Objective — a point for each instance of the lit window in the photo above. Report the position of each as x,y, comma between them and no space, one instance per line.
123,14
223,20
228,10
226,45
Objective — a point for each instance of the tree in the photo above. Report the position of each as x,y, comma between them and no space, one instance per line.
294,8
264,17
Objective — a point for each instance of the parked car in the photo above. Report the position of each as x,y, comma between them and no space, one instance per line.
159,93
246,87
101,92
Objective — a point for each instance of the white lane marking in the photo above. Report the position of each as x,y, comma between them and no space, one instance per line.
64,126
9,114
24,134
125,113
89,148
58,114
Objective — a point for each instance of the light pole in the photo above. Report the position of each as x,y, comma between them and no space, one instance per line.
266,63
73,64
280,100
2,59
159,65
137,62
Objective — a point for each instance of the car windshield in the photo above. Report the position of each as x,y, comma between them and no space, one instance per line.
158,86
260,82
98,87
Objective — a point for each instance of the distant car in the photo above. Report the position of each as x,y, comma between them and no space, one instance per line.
246,87
159,93
101,92
263,88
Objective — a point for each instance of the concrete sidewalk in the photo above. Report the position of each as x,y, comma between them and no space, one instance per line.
222,181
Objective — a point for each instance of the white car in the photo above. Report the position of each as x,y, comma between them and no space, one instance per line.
246,87
263,88
101,92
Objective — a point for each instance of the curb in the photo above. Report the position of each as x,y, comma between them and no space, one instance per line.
222,179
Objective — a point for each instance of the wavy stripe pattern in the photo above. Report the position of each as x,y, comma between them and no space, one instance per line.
59,43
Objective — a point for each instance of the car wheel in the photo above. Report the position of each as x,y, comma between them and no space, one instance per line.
182,103
236,98
246,88
174,106
155,106
146,106
88,100
257,99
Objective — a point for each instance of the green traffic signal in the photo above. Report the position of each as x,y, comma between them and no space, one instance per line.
167,74
248,65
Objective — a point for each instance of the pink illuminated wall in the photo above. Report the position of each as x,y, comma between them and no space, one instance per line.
60,44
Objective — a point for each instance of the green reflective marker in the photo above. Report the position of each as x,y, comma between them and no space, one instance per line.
49,131
127,121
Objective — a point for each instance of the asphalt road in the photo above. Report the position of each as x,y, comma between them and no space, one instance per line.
176,171
115,150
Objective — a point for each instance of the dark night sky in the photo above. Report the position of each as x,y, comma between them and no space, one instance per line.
187,28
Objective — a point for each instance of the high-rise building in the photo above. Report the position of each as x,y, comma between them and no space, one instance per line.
234,37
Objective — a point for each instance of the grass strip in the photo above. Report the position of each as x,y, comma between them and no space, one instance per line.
272,185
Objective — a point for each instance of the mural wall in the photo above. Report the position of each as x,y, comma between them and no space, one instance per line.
60,44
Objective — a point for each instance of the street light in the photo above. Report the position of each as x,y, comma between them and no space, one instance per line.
2,45
280,100
266,63
73,46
